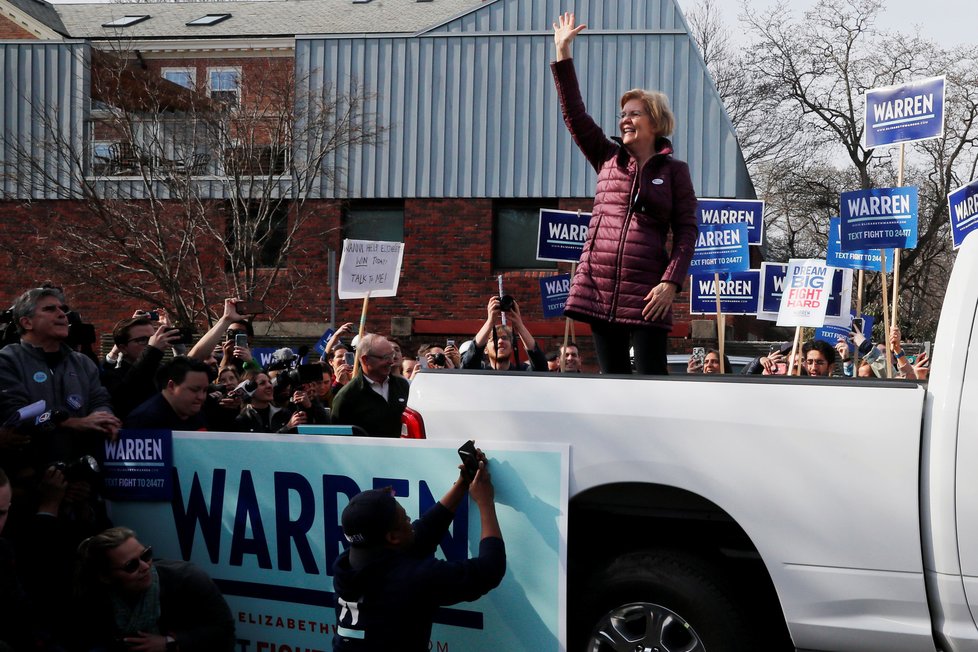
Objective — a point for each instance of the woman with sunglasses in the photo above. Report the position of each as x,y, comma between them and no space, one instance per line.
130,601
626,281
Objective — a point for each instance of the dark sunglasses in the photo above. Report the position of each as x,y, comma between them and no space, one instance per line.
132,565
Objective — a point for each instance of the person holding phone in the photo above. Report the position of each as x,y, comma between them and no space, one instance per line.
775,363
904,366
389,585
341,360
261,413
703,361
131,379
497,341
626,281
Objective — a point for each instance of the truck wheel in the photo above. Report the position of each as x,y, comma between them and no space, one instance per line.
663,602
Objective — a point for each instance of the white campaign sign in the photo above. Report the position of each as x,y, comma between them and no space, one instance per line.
805,298
370,268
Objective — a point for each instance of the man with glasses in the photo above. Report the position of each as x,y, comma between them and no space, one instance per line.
141,347
375,399
128,600
818,358
42,366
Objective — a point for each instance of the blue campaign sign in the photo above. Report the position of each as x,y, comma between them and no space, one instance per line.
905,113
963,208
562,234
732,211
260,514
553,292
870,260
772,288
320,346
263,355
721,248
739,293
879,218
137,465
832,334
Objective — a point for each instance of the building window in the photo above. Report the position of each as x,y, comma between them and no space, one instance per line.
270,225
186,77
515,231
209,19
383,222
102,163
256,160
126,21
224,85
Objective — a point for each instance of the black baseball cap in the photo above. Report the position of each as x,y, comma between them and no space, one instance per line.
369,516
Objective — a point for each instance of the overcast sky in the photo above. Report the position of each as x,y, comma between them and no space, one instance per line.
950,22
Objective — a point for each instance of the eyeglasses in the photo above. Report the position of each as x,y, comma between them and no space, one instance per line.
386,358
817,363
139,340
132,565
631,114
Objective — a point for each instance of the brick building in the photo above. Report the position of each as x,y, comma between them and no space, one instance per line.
472,144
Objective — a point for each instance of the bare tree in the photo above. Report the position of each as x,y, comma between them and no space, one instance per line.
765,131
195,198
817,71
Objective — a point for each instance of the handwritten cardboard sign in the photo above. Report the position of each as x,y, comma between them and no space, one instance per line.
369,267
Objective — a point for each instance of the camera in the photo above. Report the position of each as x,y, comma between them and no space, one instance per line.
8,328
217,388
79,333
439,359
506,303
299,375
245,389
84,469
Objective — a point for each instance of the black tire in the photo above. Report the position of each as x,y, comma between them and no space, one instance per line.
662,600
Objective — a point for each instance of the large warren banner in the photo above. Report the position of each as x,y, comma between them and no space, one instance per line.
261,514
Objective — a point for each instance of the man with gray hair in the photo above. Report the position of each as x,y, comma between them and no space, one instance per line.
375,399
42,366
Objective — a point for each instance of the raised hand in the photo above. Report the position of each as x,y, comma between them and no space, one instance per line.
565,31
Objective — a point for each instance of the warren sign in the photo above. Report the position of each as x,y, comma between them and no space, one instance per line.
905,113
261,515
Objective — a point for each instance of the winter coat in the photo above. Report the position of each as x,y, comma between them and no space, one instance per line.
625,254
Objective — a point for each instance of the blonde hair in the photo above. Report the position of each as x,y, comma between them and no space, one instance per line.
92,556
657,104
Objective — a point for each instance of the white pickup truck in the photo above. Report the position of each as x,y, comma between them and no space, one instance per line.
757,513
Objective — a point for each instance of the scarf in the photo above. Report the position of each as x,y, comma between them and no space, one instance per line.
141,614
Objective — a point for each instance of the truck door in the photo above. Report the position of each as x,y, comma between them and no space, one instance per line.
966,473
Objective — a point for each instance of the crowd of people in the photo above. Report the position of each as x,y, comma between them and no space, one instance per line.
66,548
61,552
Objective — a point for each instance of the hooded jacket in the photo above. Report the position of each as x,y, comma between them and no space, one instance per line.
625,254
389,603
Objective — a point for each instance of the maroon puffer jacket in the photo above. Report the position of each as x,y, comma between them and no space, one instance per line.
625,254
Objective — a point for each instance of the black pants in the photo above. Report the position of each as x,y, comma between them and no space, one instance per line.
612,341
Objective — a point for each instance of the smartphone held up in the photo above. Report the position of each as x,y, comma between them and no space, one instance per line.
470,459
